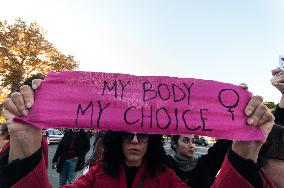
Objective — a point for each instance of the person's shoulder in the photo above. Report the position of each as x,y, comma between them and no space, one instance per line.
169,159
168,169
170,175
170,162
98,168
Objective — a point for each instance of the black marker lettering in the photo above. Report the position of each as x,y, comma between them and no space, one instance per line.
100,112
148,90
157,119
229,106
176,115
125,116
168,91
123,87
175,93
188,90
203,119
185,123
110,88
84,111
150,116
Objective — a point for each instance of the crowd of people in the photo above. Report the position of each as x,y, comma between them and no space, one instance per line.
137,160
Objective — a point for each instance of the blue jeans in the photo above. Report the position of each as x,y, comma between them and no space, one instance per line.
68,172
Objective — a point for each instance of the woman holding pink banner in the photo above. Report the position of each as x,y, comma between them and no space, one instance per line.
129,155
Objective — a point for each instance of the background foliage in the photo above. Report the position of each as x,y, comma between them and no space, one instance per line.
25,51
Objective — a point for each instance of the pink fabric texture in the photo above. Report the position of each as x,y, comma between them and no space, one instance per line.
148,104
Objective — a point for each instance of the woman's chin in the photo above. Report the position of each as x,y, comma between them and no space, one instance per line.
133,161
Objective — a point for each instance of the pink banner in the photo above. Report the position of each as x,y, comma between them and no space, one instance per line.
148,104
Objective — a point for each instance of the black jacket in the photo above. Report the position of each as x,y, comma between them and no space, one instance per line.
203,175
279,115
82,146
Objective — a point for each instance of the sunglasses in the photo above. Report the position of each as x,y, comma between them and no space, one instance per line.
128,137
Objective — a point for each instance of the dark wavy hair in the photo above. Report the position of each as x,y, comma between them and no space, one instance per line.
174,141
113,156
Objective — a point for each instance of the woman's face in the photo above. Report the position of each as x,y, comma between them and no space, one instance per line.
185,146
134,147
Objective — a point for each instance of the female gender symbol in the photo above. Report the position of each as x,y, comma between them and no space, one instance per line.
229,106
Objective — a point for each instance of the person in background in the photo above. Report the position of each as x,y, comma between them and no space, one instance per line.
271,157
278,82
196,172
70,154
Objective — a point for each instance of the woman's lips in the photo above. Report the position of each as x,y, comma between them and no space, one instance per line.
133,150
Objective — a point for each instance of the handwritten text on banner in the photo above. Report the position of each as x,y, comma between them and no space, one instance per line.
149,104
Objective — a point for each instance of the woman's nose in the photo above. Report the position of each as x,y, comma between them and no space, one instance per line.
191,144
135,139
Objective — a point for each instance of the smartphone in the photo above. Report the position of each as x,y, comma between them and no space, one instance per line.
281,62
